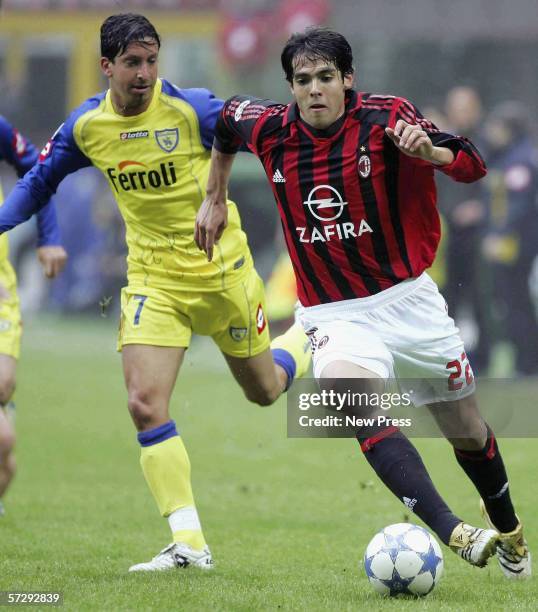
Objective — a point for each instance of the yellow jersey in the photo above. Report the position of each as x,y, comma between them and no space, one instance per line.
157,164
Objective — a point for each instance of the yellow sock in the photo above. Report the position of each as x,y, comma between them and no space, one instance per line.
295,342
167,470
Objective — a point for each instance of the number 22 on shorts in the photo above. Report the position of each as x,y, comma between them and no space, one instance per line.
457,366
141,301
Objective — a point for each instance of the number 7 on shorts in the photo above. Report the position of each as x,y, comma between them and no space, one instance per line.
141,299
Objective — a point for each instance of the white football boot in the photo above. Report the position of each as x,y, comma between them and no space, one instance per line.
513,552
176,555
2,509
473,544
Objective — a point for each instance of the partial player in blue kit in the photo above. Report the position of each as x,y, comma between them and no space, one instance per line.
21,154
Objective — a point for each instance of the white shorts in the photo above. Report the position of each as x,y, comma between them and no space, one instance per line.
403,332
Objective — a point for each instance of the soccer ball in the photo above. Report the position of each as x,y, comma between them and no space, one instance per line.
403,558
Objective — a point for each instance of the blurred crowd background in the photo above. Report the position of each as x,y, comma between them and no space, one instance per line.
471,66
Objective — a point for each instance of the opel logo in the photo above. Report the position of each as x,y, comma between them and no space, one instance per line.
317,204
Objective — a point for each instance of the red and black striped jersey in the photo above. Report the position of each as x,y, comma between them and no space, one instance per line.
358,215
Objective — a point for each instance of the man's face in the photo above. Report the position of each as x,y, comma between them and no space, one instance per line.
463,109
319,91
132,76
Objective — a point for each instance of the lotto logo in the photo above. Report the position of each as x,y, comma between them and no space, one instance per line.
131,135
260,319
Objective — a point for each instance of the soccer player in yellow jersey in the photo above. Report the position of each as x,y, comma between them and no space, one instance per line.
21,154
152,142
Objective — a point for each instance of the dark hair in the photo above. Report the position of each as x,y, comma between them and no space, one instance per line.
315,44
118,31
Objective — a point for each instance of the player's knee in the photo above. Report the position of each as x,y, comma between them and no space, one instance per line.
471,435
478,434
7,444
7,387
263,395
472,442
141,409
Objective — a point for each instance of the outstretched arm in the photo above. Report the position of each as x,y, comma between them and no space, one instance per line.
60,157
212,217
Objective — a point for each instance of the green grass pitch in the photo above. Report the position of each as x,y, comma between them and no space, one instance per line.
287,520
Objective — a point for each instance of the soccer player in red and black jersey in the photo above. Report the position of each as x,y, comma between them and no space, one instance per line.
353,177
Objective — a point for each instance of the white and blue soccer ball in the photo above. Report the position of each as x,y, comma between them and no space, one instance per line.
403,558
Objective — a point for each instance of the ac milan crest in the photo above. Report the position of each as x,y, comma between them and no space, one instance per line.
365,166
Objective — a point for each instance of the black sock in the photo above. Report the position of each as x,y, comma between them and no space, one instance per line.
486,470
398,464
